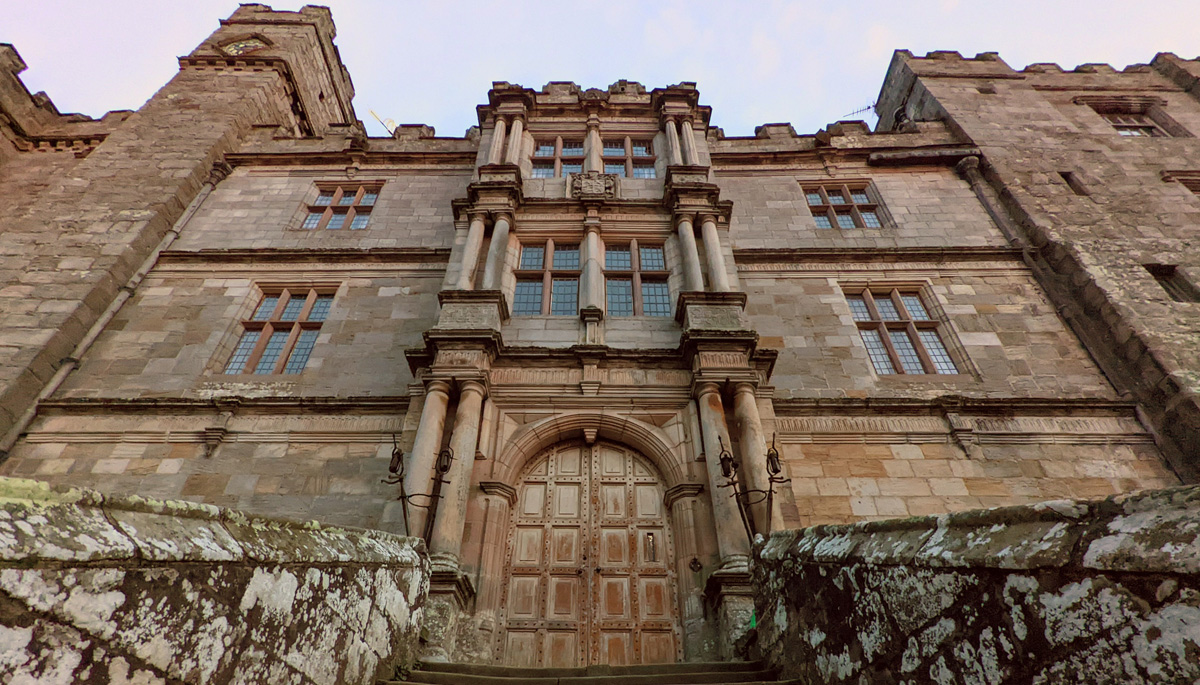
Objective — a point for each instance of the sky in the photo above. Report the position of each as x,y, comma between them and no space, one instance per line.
808,63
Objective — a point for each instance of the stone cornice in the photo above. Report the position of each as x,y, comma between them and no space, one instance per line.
914,406
940,155
884,254
463,159
321,255
241,404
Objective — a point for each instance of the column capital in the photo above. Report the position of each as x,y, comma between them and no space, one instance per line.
502,215
590,227
743,386
707,217
472,385
593,120
689,217
706,388
437,385
478,215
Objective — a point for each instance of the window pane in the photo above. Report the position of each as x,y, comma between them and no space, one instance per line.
368,198
915,309
320,310
845,220
533,257
566,256
347,198
835,197
620,297
324,198
641,148
291,311
887,308
652,259
300,353
870,218
877,352
937,352
265,308
336,221
614,147
543,169
814,197
618,169
822,221
618,257
910,361
544,150
242,352
360,221
313,219
859,197
572,149
656,299
270,355
571,169
858,308
527,301
644,171
564,297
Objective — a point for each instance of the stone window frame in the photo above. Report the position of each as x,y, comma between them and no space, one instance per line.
258,326
858,211
637,276
331,200
630,162
1174,282
546,274
557,158
935,328
1134,116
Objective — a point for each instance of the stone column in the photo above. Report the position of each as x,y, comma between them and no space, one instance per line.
592,294
693,279
675,158
470,256
418,477
753,448
718,280
690,155
493,270
497,147
514,141
595,147
451,516
731,535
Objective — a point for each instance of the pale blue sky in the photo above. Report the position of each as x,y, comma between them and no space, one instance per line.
810,63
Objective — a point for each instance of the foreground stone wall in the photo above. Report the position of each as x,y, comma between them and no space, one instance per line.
107,590
1058,592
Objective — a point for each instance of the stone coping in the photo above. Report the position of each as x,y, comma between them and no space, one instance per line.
1152,531
40,522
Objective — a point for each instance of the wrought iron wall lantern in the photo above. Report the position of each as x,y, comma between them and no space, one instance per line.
445,460
747,498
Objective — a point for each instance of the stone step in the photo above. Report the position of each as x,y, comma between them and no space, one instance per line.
596,670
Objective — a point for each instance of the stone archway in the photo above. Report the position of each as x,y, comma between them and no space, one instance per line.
589,571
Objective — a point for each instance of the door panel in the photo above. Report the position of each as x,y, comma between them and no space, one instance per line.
589,573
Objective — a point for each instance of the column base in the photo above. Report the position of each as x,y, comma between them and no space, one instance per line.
472,309
711,311
731,594
450,594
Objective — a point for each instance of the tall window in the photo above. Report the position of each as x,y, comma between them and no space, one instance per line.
279,336
557,157
628,157
547,279
898,332
849,205
342,206
636,280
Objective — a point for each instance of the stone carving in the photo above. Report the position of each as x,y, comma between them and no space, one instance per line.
593,185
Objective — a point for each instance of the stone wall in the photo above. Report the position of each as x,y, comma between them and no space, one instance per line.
1063,591
102,589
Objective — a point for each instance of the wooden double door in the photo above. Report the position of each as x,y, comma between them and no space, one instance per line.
589,571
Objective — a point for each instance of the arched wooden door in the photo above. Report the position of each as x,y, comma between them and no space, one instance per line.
589,571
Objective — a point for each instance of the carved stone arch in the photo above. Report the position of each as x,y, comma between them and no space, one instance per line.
651,441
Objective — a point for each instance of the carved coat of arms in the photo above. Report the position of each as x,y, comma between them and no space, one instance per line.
593,185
